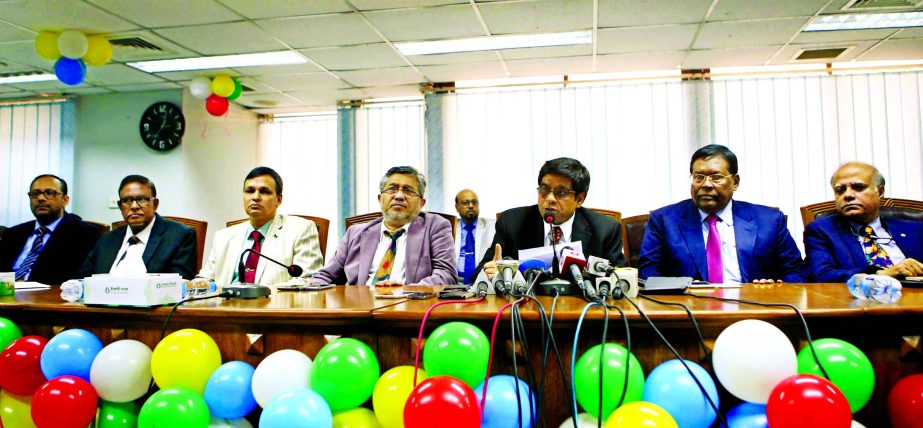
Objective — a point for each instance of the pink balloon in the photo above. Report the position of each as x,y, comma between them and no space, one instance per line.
20,366
807,401
63,402
216,105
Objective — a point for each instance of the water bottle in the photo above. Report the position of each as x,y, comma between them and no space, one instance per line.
880,288
72,290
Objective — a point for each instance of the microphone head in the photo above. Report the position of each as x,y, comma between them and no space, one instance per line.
295,271
598,266
572,257
548,216
532,264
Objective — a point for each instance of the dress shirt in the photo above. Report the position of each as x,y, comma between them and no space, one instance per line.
566,229
894,252
248,243
384,241
133,263
725,227
28,247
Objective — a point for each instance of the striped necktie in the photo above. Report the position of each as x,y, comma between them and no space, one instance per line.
387,262
26,267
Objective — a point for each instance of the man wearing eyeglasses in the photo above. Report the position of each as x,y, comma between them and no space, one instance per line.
50,248
473,235
859,239
148,243
713,237
404,246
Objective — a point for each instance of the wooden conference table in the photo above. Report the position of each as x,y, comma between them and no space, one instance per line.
249,330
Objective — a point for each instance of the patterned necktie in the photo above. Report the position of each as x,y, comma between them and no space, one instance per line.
387,261
713,251
253,259
26,267
131,241
556,235
873,252
467,254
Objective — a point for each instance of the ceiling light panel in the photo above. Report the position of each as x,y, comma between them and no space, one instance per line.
224,61
491,43
864,21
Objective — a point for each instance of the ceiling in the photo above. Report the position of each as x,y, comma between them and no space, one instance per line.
350,52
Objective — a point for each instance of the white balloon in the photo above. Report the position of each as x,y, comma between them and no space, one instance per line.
584,420
751,357
856,424
200,87
279,372
72,44
121,372
226,423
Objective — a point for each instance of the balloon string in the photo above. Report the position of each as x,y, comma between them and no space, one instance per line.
204,128
416,358
490,355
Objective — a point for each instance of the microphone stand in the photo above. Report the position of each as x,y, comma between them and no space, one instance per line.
555,285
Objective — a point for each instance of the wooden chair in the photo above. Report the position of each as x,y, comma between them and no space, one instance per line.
632,235
365,218
906,209
615,215
323,227
100,227
200,227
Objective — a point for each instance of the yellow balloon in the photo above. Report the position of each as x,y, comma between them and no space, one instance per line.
16,410
99,51
640,414
360,417
46,45
390,394
186,358
222,85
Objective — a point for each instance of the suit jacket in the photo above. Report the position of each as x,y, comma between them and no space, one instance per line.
483,236
171,248
522,228
673,244
62,255
430,257
290,240
834,253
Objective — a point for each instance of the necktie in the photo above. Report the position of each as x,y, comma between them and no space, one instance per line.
131,241
873,252
713,251
387,261
253,259
556,235
467,253
26,267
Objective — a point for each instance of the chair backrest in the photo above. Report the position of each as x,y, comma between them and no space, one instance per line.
632,236
100,227
615,215
200,227
906,209
323,227
365,218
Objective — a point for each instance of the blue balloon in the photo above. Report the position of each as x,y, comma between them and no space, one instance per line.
297,408
228,392
671,386
501,409
70,72
71,352
748,415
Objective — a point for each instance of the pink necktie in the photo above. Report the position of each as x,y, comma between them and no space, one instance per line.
713,251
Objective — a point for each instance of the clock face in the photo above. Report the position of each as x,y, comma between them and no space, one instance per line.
162,126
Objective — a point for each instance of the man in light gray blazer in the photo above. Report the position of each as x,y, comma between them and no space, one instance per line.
405,246
471,249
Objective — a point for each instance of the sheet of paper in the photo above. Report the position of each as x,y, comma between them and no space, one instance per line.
545,254
30,285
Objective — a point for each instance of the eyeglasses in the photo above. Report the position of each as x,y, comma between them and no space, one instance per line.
543,191
49,193
406,190
715,178
473,202
143,201
882,241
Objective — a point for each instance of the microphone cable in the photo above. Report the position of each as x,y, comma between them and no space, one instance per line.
602,350
695,324
490,355
547,341
416,358
518,328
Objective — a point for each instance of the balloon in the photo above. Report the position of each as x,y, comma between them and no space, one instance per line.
222,85
224,423
457,349
390,395
228,392
72,44
9,332
502,407
344,358
66,401
99,51
360,417
671,387
584,420
46,45
121,372
174,407
216,105
117,415
71,352
640,414
750,357
442,401
856,424
807,401
185,358
200,87
70,72
296,409
20,371
238,88
15,410
905,402
280,371
748,415
586,379
847,367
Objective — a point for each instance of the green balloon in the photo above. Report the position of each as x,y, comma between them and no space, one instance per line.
174,407
117,415
9,332
586,379
238,88
457,349
344,373
847,367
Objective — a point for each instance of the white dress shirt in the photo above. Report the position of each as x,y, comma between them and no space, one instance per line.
397,268
133,263
725,227
566,228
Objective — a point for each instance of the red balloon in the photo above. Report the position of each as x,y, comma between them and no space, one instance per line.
905,402
20,369
63,402
806,400
442,401
216,105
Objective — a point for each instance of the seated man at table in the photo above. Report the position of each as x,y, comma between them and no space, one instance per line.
713,238
858,239
473,234
148,242
288,239
404,246
563,184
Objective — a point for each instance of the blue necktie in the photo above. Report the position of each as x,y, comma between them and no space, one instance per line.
467,253
26,267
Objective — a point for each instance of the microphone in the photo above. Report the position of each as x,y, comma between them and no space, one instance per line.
293,270
572,261
548,216
506,273
599,266
532,268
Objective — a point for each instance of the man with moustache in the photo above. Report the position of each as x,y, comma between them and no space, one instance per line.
473,234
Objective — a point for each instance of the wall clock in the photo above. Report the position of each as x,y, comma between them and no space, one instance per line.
162,126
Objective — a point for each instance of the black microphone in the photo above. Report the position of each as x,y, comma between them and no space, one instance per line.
548,216
293,270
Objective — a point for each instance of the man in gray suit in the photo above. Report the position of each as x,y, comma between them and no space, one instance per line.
405,246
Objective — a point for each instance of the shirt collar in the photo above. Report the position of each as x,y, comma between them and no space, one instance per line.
264,229
726,214
144,234
465,223
566,228
876,225
51,226
385,229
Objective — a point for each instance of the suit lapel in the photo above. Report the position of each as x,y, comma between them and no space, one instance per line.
581,230
368,243
413,245
271,246
844,228
745,236
691,229
905,239
153,241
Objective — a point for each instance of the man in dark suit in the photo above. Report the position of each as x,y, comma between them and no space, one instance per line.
563,184
858,239
148,243
50,248
716,239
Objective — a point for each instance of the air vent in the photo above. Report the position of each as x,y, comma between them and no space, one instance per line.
135,42
134,48
878,4
820,54
245,88
21,73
